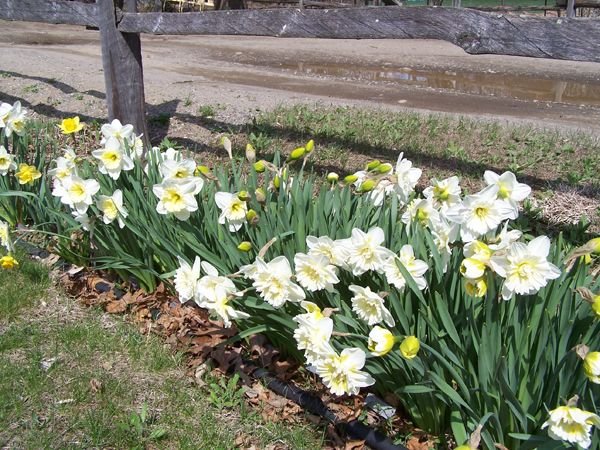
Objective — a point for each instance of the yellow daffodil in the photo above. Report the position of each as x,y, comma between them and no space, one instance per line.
27,174
245,246
410,347
70,125
476,287
8,262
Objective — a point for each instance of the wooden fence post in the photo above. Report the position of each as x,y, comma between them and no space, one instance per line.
123,74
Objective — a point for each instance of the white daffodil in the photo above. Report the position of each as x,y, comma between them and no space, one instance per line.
4,111
381,341
415,267
365,251
509,189
479,213
64,168
212,287
572,425
472,268
233,210
503,240
112,208
176,198
15,120
382,189
341,373
407,177
116,130
477,258
7,161
76,192
181,171
186,279
4,236
332,250
369,306
314,272
214,292
82,219
113,158
443,193
313,335
591,367
273,282
136,146
313,312
420,211
525,268
444,233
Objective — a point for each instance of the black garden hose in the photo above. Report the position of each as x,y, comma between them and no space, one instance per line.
354,428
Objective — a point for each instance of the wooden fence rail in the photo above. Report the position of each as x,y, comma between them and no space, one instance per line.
475,31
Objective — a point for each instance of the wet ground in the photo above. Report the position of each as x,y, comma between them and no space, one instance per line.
252,72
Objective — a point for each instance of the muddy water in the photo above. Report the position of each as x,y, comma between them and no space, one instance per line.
483,83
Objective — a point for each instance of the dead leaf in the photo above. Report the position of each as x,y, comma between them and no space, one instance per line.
95,386
354,445
47,363
115,307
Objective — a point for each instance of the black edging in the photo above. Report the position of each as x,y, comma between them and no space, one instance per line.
354,428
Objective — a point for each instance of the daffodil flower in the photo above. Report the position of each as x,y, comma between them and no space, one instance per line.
176,198
70,125
233,210
369,306
591,367
341,373
572,425
7,262
64,168
273,281
113,158
112,208
313,335
15,120
407,177
76,192
509,189
116,130
314,272
409,347
525,267
186,279
4,236
415,267
365,251
336,252
443,193
381,341
7,161
27,174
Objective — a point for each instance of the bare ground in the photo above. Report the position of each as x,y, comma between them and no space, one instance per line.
56,70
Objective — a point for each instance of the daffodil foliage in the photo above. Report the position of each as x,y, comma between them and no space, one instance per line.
437,297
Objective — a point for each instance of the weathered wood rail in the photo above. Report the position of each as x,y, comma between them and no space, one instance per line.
475,31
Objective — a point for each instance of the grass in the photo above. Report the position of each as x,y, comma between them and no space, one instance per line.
72,377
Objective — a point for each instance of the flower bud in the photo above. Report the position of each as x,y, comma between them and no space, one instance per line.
202,170
381,341
476,287
250,153
297,154
244,196
463,447
349,179
373,164
367,185
410,347
260,195
259,166
332,177
385,168
594,245
591,367
276,182
244,246
252,217
310,146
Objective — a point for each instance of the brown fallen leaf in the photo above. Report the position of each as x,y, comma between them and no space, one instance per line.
95,386
115,307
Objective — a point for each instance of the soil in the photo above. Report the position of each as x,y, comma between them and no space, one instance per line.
56,70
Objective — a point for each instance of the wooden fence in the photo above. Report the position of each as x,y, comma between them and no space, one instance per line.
474,31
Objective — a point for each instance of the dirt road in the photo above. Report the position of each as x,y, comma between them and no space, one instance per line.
57,70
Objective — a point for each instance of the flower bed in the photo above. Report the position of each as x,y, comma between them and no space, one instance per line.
440,298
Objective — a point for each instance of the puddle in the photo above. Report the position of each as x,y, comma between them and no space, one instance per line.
485,83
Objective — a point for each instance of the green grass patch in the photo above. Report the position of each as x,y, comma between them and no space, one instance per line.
72,377
348,137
